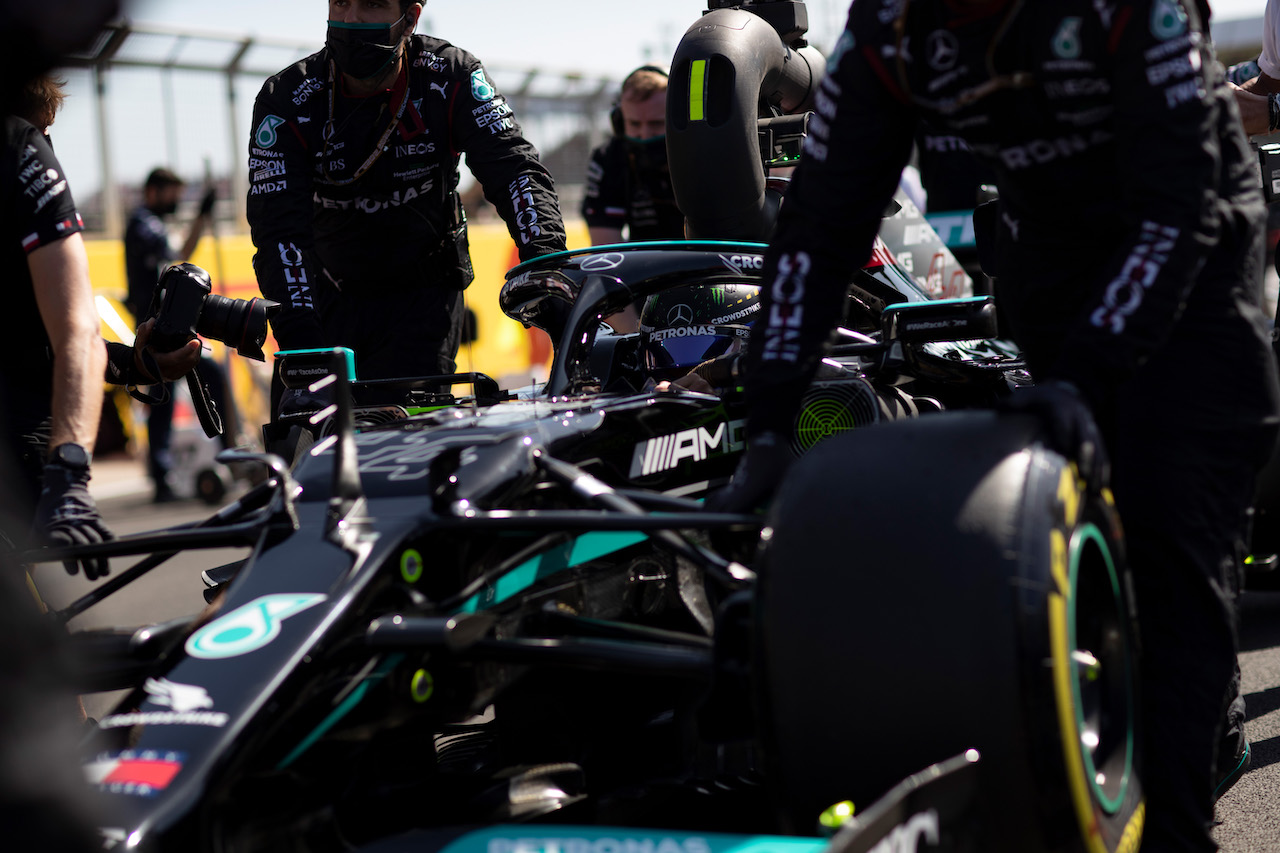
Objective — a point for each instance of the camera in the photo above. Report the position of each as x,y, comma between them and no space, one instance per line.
185,306
1269,163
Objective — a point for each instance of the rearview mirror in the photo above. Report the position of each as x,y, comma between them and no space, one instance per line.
967,319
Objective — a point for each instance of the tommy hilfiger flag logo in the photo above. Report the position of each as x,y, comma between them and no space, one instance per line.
142,773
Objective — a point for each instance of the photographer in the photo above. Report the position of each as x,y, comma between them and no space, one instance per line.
1137,305
352,203
147,251
1257,84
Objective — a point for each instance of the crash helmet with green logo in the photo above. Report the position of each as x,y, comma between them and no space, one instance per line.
682,327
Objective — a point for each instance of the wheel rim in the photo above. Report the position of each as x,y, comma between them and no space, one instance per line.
1093,678
1103,674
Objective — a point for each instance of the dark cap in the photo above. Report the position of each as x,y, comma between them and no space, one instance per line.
162,177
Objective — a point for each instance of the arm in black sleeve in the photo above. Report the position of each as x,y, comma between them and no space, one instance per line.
279,210
120,364
1167,100
507,166
859,141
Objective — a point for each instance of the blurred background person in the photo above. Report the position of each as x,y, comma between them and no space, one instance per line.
147,253
628,189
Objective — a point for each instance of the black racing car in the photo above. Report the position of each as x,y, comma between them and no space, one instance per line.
484,621
504,608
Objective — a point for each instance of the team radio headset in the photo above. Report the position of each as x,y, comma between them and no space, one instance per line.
615,114
619,125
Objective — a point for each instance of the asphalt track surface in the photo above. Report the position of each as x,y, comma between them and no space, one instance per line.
1248,815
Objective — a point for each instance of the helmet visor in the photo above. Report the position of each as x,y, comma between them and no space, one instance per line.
675,356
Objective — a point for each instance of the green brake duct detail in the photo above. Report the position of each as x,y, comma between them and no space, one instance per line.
583,549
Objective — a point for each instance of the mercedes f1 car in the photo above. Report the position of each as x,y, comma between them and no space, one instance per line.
499,608
472,619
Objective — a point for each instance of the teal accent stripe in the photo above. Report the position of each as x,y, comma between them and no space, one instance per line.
593,839
352,700
959,300
1230,778
583,549
744,245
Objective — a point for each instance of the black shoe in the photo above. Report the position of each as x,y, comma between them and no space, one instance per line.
1232,776
165,495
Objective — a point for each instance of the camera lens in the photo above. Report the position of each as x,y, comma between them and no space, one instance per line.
237,323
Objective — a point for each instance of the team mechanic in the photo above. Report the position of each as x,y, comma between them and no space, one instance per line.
1130,266
352,205
52,396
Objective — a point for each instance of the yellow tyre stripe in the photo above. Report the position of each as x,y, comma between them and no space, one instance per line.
1064,695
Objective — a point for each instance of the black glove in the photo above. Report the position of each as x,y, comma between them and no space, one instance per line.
761,470
298,401
67,515
1069,421
206,203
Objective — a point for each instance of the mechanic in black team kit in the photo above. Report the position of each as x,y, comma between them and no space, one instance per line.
628,180
1130,266
352,203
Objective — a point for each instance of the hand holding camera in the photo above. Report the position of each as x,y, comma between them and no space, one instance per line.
163,366
184,306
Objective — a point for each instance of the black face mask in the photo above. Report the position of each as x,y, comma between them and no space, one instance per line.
167,208
649,155
362,50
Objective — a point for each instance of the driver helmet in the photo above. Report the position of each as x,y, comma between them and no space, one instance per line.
682,327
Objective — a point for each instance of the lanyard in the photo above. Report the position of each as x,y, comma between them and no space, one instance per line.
994,83
378,148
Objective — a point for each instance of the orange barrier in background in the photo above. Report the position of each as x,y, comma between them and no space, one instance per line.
503,348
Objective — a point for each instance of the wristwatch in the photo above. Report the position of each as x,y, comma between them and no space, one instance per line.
70,455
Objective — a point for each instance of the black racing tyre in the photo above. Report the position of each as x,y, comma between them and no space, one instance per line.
941,584
210,486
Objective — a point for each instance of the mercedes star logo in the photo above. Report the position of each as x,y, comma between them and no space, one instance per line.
943,49
680,315
600,263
